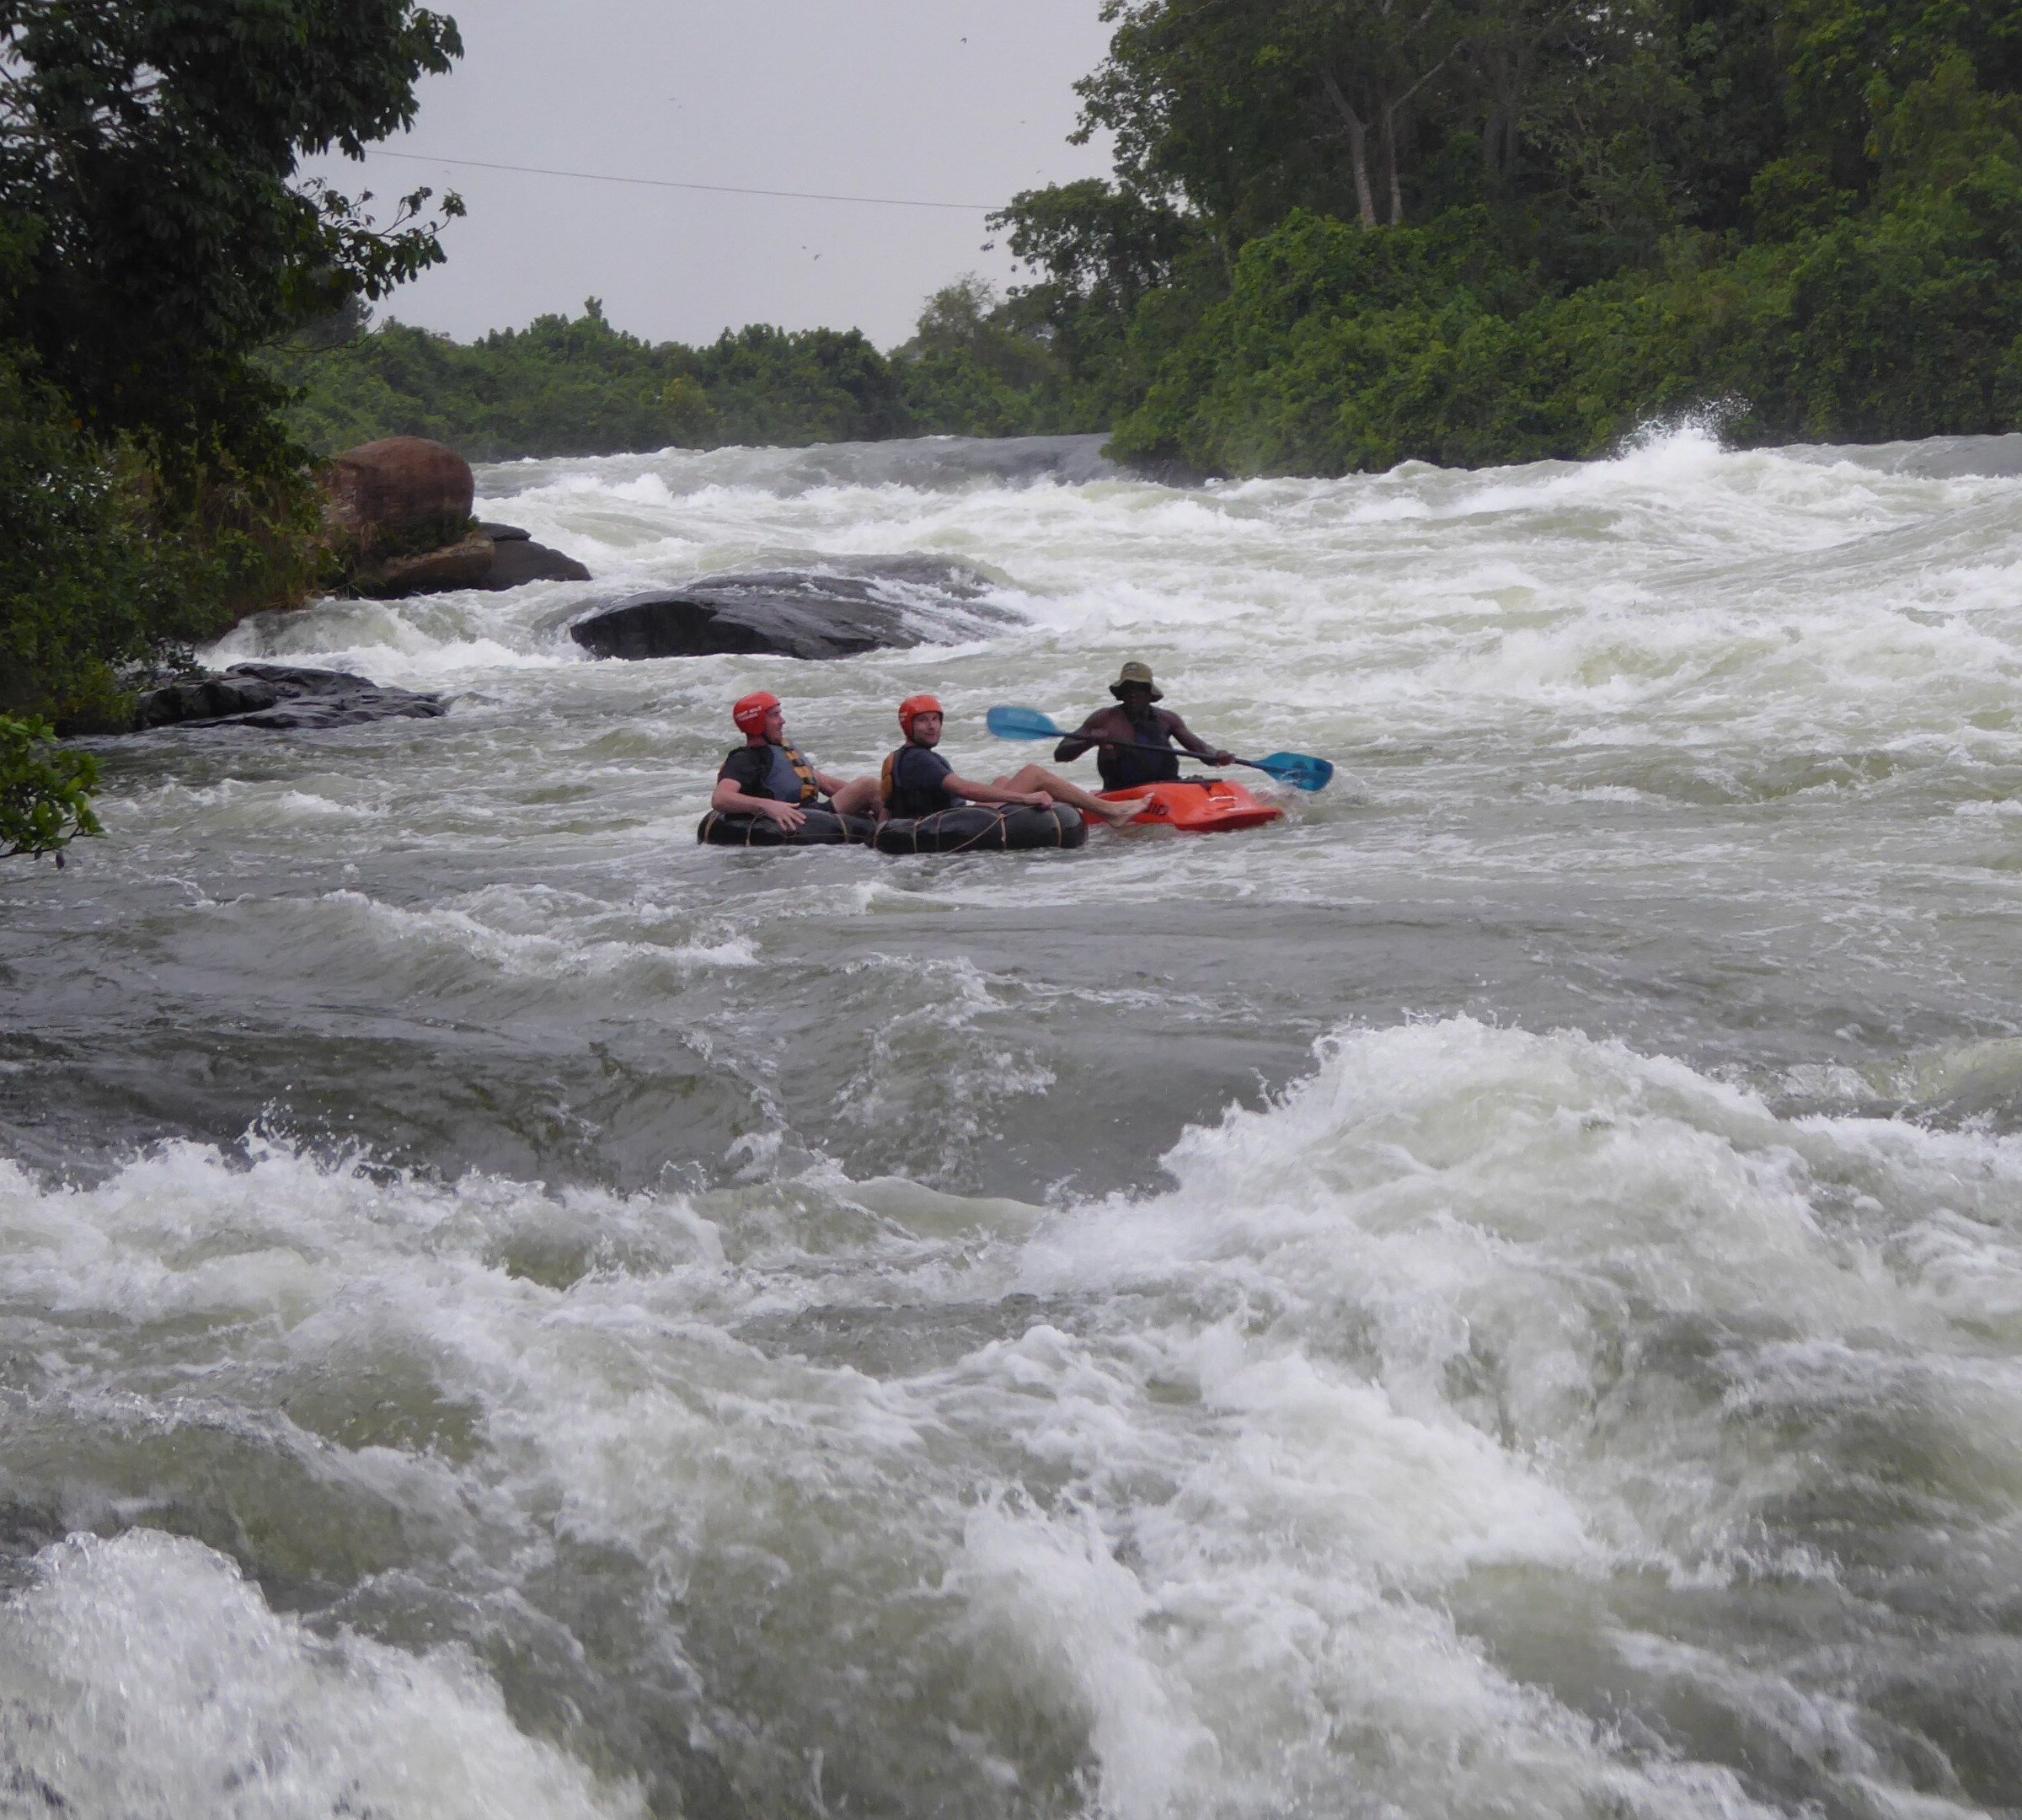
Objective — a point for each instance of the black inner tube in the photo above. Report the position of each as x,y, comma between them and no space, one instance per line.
984,827
821,828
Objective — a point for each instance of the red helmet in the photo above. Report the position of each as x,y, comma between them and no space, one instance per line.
912,707
752,710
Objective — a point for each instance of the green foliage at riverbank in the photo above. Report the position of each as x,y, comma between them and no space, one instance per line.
45,791
153,238
1507,230
108,566
1341,234
582,387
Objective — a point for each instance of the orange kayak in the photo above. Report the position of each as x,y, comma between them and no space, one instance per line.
1199,805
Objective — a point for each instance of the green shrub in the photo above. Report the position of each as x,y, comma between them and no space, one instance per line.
106,568
45,792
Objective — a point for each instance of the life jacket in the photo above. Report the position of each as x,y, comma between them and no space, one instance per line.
811,791
906,798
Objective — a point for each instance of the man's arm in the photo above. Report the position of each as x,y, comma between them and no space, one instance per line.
728,800
1075,744
1193,743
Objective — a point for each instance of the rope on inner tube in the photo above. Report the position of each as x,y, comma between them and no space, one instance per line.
1003,815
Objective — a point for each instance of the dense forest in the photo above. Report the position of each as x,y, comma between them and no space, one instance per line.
1492,232
561,387
1341,233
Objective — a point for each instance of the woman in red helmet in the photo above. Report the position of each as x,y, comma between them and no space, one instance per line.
766,776
917,781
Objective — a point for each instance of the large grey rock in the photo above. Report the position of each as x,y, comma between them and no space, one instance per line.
280,698
210,696
849,605
516,558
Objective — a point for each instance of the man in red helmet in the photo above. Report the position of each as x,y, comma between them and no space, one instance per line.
766,776
917,781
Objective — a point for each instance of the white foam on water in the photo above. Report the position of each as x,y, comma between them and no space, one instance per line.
1186,1527
1677,598
1486,1425
143,1675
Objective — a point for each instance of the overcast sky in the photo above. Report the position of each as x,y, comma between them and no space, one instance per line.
959,101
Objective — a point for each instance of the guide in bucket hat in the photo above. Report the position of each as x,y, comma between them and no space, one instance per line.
1133,741
1139,673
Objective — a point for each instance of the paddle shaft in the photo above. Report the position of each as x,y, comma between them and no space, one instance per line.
1140,744
1127,745
1294,768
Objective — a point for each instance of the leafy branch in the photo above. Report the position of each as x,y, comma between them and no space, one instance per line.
45,791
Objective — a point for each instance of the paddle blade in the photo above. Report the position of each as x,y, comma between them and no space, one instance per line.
1297,769
1022,722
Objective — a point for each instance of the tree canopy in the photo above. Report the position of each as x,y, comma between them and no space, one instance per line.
148,182
156,234
1487,230
1339,233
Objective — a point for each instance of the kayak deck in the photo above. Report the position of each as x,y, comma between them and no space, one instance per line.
1197,806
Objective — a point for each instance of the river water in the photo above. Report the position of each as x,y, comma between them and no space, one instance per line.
1498,1296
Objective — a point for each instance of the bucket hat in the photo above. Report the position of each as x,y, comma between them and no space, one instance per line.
1136,672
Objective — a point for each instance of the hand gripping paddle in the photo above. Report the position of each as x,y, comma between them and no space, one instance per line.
1291,768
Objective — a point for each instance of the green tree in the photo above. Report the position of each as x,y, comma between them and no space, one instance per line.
1115,279
149,157
154,234
975,367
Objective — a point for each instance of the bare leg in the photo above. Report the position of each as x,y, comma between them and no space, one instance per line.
1032,778
859,797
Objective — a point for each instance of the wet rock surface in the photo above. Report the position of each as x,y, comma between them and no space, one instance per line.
399,513
280,698
466,563
516,558
849,605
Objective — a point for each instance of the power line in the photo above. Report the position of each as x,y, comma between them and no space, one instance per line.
665,183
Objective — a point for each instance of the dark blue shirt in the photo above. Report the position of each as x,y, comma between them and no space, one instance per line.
913,778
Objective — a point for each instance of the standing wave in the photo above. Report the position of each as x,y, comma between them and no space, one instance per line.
1491,1424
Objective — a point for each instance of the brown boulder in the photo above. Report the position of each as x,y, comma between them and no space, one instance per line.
398,494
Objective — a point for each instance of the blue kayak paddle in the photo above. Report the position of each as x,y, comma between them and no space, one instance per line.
1291,768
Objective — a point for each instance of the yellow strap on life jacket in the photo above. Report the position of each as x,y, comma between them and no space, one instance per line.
810,790
888,782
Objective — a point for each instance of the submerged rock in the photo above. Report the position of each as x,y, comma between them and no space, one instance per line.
849,605
280,698
496,557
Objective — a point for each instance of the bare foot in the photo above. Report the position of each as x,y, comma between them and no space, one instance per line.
1117,814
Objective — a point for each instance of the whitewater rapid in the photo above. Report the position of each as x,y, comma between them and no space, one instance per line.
1498,1296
